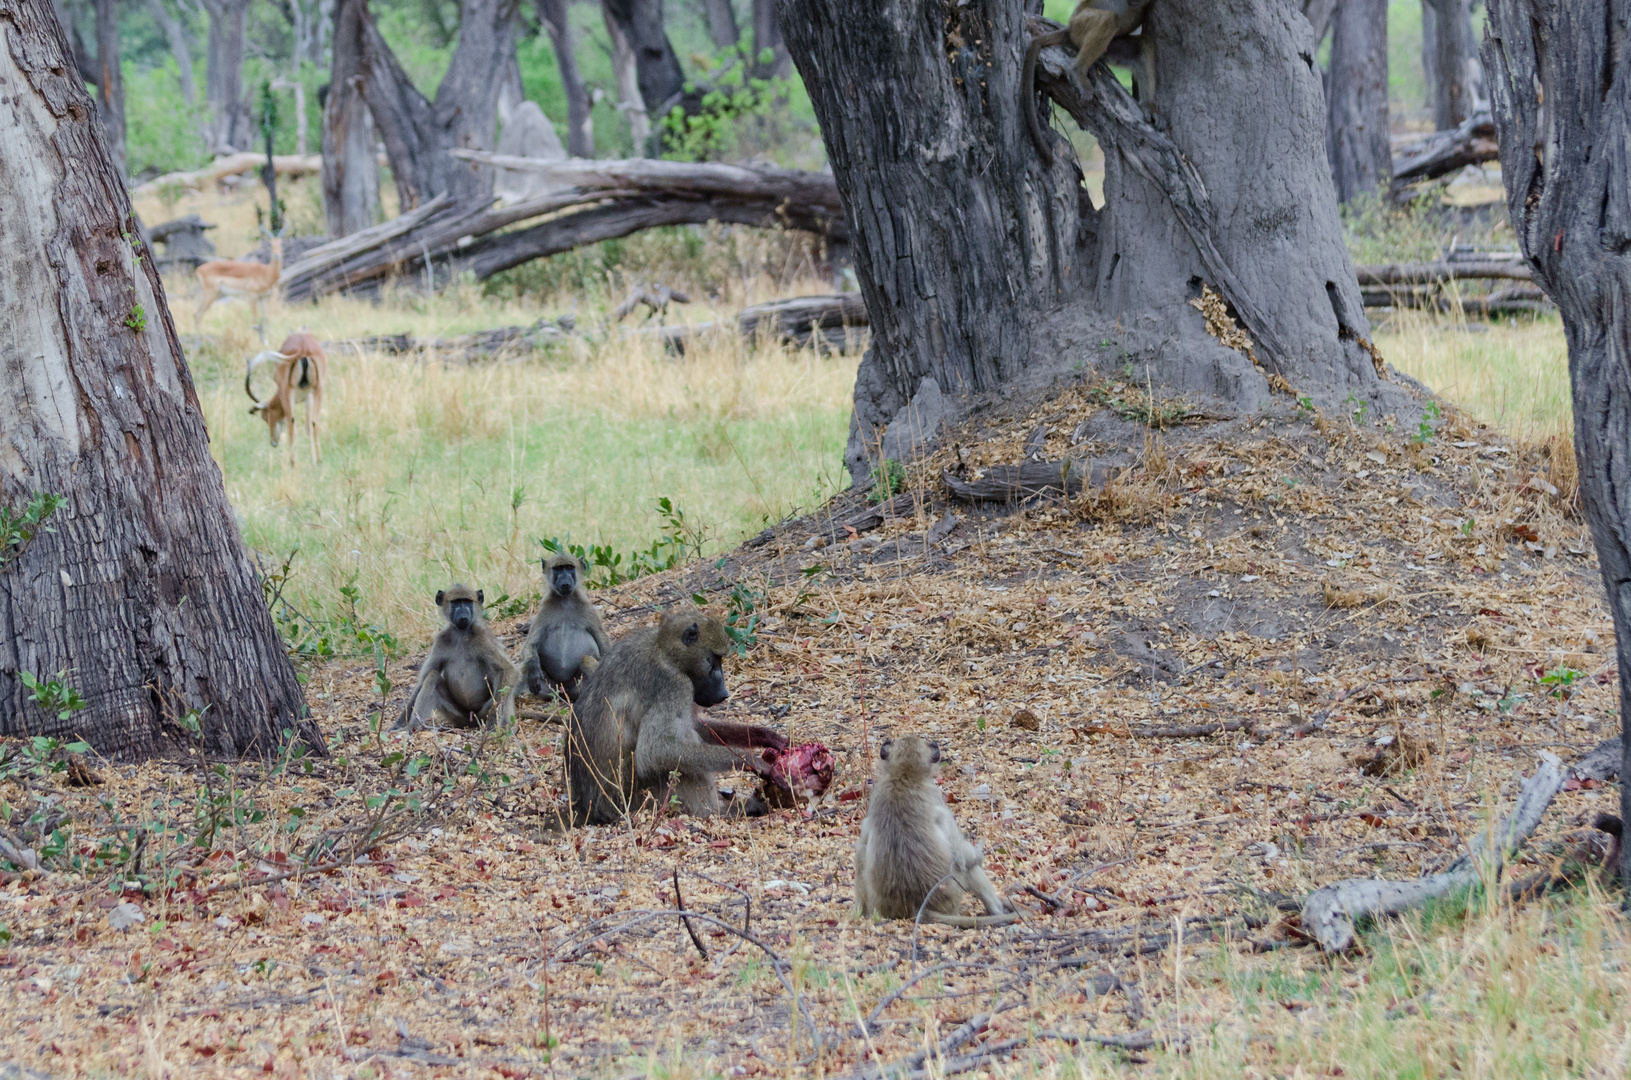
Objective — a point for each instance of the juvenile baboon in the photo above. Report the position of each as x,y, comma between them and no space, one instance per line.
565,632
910,846
1093,26
633,737
466,677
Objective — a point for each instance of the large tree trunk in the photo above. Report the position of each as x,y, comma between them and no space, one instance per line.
224,77
1565,170
180,47
1357,128
980,266
350,169
144,593
656,65
418,133
1449,55
580,124
101,70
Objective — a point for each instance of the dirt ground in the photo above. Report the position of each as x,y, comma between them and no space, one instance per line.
1377,632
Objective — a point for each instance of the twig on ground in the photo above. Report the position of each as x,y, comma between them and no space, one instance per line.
679,902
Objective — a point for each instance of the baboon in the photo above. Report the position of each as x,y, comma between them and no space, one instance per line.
910,846
466,677
565,632
1093,26
633,735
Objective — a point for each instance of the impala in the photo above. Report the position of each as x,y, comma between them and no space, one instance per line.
300,371
235,277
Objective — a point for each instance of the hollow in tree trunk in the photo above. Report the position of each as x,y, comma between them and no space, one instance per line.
144,593
1565,171
1449,54
232,128
417,132
1357,128
981,267
580,125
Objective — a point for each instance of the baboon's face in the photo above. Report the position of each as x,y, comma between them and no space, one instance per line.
563,579
459,605
710,689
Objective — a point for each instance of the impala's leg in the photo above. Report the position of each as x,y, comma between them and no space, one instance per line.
311,425
204,304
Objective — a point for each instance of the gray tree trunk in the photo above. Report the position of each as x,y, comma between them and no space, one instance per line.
656,65
232,128
580,124
979,266
144,592
350,168
418,133
101,70
1357,127
767,34
722,28
1449,54
181,47
1565,169
1319,14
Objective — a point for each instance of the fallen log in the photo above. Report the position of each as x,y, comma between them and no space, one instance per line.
472,237
1329,913
233,165
798,321
1015,483
816,190
1443,152
468,347
1426,273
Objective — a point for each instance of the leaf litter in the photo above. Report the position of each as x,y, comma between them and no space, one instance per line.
1244,660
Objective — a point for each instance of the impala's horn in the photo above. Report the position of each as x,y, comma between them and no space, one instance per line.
249,372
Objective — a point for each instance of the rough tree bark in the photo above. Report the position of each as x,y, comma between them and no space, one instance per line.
101,70
580,124
232,127
350,169
1357,128
418,133
1449,60
1566,171
144,592
722,28
656,65
980,266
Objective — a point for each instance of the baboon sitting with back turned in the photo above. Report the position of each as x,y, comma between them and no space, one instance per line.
910,846
467,677
565,632
633,737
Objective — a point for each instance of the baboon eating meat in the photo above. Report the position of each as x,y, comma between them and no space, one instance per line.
632,736
566,630
911,847
466,677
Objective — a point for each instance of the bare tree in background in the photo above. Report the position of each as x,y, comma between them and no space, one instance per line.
1449,60
767,34
722,28
1565,171
626,73
231,127
1356,95
181,47
418,132
143,594
656,65
580,124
